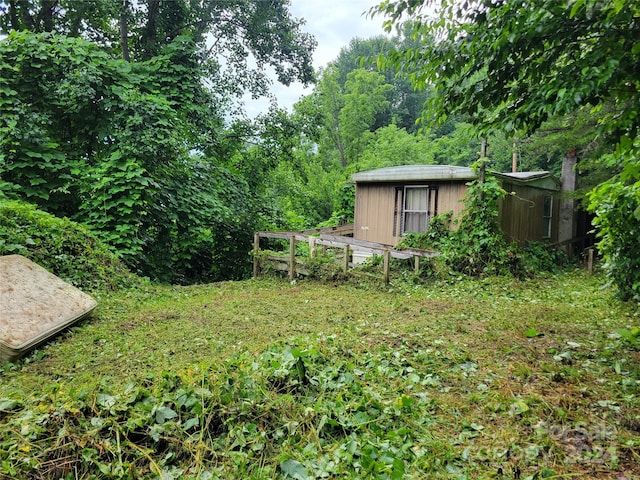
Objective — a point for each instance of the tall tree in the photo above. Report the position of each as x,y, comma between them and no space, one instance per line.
365,96
227,34
349,112
405,103
111,143
510,66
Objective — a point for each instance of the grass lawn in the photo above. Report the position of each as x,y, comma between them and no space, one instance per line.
495,378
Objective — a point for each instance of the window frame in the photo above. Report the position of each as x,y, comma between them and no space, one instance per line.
547,216
427,212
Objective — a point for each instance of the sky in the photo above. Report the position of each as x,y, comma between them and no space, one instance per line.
333,23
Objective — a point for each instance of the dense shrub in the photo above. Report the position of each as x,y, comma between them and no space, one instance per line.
65,248
616,204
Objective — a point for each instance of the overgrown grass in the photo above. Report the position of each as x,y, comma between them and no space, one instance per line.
494,378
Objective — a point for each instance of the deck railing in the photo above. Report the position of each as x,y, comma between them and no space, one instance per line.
335,238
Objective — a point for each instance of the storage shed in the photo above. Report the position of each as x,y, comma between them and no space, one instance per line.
529,212
395,200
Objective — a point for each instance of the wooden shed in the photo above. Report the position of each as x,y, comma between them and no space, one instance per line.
395,200
530,210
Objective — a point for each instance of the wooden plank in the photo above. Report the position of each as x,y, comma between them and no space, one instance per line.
313,251
590,252
387,262
353,241
337,230
401,254
256,251
345,267
420,253
292,258
284,267
281,235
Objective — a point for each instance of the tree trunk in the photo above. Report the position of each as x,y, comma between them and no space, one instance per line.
124,34
149,33
13,15
46,15
27,20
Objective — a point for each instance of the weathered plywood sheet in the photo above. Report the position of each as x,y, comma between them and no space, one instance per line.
34,305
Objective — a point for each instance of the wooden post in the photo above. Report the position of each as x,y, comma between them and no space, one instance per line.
292,257
590,260
387,258
483,161
416,263
256,251
313,251
514,158
345,266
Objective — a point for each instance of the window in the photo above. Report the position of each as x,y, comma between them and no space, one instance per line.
547,215
415,216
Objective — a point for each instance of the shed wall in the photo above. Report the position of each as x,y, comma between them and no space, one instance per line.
522,214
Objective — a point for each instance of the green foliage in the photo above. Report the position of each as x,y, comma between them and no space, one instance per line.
616,203
141,31
207,231
265,379
365,95
477,247
348,112
108,142
632,336
284,403
534,259
344,207
510,66
63,247
538,257
391,146
110,151
436,237
460,146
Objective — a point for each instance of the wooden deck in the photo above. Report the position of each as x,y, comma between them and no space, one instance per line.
334,238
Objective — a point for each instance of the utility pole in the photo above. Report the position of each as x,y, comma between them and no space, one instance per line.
483,161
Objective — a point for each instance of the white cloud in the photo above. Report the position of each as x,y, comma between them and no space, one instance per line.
333,23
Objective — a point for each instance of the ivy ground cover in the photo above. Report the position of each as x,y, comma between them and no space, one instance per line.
262,379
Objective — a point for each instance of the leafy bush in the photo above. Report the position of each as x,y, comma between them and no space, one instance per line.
344,207
65,248
434,238
478,246
617,207
540,257
296,411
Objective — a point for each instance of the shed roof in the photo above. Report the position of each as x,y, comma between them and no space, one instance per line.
421,173
540,179
404,173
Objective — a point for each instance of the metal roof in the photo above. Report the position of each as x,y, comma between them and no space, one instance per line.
426,173
525,176
540,179
405,173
